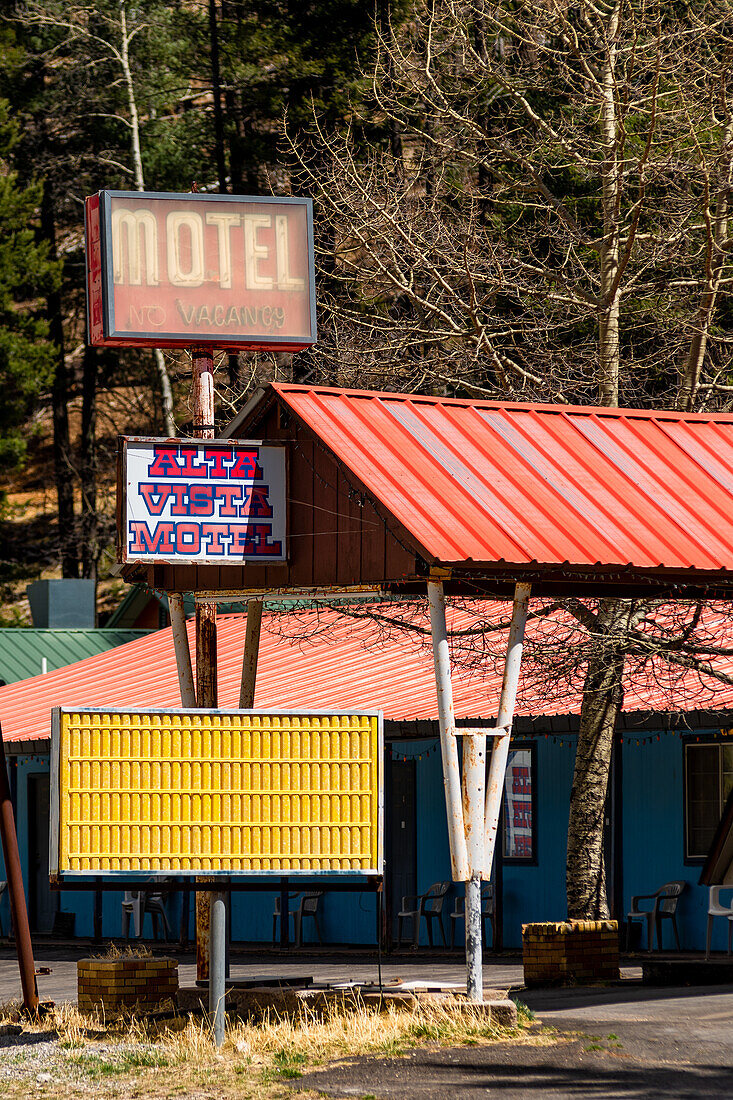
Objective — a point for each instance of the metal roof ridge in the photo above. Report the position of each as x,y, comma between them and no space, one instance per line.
77,629
611,411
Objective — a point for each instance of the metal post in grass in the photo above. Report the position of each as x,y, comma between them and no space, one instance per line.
217,965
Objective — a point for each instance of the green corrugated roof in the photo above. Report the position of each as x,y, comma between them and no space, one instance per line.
22,649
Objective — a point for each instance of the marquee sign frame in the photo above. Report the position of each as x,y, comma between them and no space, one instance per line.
129,783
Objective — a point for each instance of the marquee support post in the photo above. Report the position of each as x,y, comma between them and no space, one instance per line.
504,719
182,649
251,654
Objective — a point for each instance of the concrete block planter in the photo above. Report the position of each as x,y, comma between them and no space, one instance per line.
115,986
570,952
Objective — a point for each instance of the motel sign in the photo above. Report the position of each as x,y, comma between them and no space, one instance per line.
184,270
214,502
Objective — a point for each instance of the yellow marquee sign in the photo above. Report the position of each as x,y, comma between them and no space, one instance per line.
215,792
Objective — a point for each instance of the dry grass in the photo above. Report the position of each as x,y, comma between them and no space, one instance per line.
128,950
177,1057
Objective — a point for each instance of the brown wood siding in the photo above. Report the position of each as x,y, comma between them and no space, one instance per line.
336,535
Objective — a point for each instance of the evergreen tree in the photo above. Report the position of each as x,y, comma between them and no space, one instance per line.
26,272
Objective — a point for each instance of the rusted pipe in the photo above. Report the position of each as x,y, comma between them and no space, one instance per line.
447,723
206,664
182,649
11,857
251,654
202,360
505,718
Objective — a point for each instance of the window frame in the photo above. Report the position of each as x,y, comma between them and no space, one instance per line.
697,741
522,861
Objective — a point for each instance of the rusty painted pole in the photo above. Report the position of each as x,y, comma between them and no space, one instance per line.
206,670
504,719
11,857
447,723
251,654
182,649
474,793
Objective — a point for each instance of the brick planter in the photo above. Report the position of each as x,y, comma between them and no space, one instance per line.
570,953
114,986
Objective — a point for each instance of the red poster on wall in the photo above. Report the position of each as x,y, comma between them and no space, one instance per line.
183,270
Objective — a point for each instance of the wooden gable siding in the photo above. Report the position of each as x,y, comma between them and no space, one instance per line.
336,534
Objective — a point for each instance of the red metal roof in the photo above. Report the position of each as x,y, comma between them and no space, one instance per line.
326,660
487,482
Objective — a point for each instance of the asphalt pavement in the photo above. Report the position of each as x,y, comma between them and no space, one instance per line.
624,1040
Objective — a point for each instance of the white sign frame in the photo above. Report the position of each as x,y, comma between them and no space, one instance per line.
247,475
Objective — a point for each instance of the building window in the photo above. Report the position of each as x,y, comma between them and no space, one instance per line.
708,782
519,805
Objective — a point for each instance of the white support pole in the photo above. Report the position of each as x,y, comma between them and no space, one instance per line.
447,723
251,653
505,718
474,791
182,649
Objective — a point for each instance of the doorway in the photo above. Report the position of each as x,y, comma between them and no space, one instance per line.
401,839
42,901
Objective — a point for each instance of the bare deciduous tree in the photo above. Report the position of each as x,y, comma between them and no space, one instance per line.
552,224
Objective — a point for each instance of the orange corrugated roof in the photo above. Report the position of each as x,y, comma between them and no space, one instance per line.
327,660
548,485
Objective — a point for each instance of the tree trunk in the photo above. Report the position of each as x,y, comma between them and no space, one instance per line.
608,327
62,464
602,697
164,382
221,170
88,467
603,687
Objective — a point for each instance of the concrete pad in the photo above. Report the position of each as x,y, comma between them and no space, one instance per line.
253,1002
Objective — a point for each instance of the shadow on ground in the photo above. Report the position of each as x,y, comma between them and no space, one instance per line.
566,1070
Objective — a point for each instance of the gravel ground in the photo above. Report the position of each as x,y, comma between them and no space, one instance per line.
41,1058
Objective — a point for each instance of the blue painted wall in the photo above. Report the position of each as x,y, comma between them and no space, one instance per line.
653,852
653,815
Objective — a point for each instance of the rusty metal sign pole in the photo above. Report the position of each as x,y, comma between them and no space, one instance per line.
504,719
206,697
11,857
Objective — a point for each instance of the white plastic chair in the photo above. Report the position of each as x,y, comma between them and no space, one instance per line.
717,909
135,904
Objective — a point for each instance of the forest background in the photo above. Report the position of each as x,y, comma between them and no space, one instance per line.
523,199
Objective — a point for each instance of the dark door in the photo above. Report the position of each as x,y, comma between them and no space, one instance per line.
43,902
401,845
